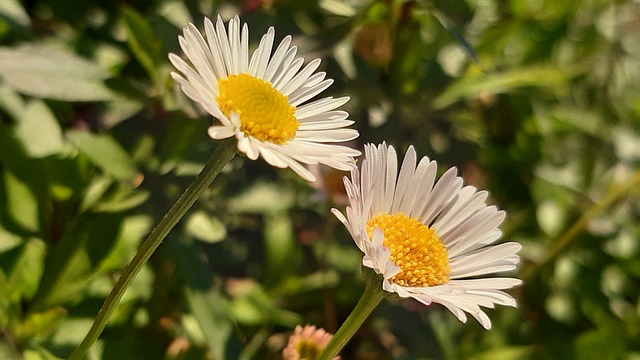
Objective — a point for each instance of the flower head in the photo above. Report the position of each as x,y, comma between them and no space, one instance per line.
306,343
264,100
430,240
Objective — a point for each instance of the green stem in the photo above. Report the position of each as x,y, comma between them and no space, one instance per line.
225,151
373,294
559,244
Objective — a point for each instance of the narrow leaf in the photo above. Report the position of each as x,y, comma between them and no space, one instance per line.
483,84
143,42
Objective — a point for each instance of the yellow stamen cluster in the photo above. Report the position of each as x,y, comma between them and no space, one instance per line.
265,114
415,248
307,349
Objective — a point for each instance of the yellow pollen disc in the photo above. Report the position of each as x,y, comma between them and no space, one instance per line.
415,248
307,349
265,114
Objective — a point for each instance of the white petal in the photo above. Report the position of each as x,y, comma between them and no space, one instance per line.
220,132
460,216
224,51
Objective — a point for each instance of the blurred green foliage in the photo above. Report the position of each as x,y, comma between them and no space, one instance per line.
536,100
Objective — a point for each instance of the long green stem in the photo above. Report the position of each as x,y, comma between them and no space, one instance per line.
559,244
373,294
225,151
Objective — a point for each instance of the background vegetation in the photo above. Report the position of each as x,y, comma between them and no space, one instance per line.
537,101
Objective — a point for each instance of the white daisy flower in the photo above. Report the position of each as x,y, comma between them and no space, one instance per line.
306,343
430,240
264,100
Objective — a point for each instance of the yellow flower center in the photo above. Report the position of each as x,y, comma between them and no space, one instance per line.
415,248
265,114
307,349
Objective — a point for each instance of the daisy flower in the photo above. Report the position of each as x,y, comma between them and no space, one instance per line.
264,100
430,239
306,343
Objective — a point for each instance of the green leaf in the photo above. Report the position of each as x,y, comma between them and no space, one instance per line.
205,227
506,352
206,301
471,87
7,307
253,306
77,258
625,142
9,240
210,309
53,73
26,273
13,12
280,246
10,100
551,217
21,203
134,229
8,351
71,331
39,325
143,42
39,353
29,171
105,152
39,130
262,198
604,342
124,198
95,191
294,285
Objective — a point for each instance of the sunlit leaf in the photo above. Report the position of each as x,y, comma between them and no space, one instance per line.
134,229
123,199
13,12
253,306
94,191
39,353
22,204
205,227
10,101
53,73
71,331
209,307
9,240
40,324
105,152
262,198
300,285
472,87
27,269
9,352
626,143
39,130
507,352
342,8
551,217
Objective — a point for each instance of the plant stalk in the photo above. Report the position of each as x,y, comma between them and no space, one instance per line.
373,294
225,151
